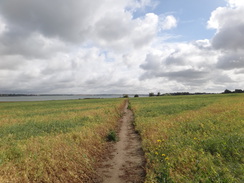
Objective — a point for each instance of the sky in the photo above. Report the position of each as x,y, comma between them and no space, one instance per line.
122,46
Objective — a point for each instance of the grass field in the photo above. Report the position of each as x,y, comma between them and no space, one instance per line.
54,141
185,138
192,138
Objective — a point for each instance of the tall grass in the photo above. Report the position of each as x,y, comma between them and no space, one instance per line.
54,141
192,138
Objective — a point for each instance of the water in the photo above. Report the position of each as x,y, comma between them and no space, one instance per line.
53,97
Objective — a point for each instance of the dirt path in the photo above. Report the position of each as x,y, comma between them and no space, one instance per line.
126,163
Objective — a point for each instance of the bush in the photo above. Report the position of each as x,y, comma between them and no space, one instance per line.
112,136
151,94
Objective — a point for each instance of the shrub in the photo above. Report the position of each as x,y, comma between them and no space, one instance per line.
125,96
112,136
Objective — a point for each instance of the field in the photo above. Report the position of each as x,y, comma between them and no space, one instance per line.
192,138
54,141
196,138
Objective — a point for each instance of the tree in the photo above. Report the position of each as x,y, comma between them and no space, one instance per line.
151,94
238,91
227,91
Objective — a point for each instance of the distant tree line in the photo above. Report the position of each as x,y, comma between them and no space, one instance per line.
177,93
151,94
13,95
235,91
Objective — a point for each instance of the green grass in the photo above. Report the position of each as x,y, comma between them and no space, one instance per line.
192,138
34,129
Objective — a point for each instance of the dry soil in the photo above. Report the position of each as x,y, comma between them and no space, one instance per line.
126,162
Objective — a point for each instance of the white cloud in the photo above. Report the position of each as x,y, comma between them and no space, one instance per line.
236,3
169,22
229,23
47,48
187,63
121,32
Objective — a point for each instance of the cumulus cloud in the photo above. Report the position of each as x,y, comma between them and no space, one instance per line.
230,61
236,3
2,26
229,24
203,64
77,22
75,46
187,63
85,47
169,22
35,45
122,32
228,39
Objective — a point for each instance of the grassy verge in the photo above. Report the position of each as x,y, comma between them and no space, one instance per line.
192,138
54,141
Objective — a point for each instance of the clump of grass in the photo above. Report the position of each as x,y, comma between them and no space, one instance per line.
129,106
112,136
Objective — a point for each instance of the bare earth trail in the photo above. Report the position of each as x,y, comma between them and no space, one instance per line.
126,163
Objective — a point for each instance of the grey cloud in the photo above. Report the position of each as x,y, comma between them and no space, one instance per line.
72,23
11,62
188,76
231,60
122,32
239,71
81,46
31,46
112,28
203,44
66,20
228,21
175,59
220,78
187,64
185,75
152,62
230,37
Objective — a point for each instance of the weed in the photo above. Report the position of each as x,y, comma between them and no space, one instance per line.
112,136
129,106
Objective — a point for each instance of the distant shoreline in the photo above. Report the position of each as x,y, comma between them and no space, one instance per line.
25,98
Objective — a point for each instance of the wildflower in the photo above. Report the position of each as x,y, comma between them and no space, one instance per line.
195,138
156,153
163,155
167,158
158,140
